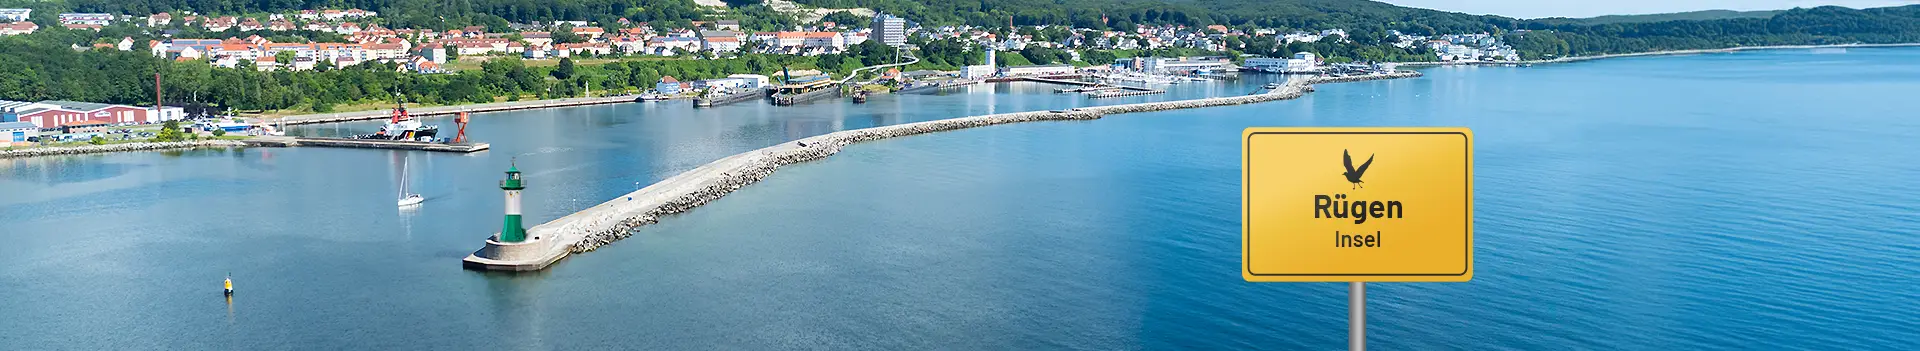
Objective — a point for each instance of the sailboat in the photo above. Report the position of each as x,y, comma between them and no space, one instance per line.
407,198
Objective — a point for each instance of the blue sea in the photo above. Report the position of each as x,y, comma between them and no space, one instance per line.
1753,200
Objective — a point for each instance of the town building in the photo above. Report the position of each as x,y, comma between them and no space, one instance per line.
722,44
889,29
668,85
159,19
17,133
591,33
979,71
1165,65
15,15
753,81
728,83
63,114
1037,70
669,46
18,28
98,19
220,24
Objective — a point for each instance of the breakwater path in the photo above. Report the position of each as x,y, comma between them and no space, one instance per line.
616,219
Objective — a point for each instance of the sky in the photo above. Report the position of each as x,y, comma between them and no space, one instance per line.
1591,8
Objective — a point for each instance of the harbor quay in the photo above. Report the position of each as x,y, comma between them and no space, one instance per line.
449,110
613,220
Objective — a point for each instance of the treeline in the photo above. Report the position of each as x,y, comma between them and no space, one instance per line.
43,66
1814,26
432,14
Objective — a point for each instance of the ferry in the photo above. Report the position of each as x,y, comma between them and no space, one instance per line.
402,126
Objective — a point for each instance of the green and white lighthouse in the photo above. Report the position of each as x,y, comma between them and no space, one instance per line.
510,229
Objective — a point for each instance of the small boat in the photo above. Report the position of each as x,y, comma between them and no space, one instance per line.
407,198
412,199
229,285
860,98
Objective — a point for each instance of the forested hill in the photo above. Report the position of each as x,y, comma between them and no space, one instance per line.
1545,38
1820,25
1705,15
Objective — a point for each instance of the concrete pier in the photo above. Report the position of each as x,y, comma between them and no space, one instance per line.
366,143
930,88
536,253
448,110
1123,92
613,220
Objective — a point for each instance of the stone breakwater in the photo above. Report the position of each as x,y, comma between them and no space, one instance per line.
615,220
140,146
611,221
1394,75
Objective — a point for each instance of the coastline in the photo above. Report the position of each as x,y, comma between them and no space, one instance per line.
610,221
138,146
1658,53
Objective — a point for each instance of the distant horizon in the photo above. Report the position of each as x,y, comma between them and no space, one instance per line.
1579,9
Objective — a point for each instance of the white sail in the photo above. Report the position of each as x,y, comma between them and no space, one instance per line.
406,179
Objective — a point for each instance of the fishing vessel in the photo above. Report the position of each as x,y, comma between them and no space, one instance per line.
402,126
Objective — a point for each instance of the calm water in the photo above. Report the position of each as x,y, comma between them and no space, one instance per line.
1752,200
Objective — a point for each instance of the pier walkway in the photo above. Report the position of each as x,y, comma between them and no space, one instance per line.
288,141
448,110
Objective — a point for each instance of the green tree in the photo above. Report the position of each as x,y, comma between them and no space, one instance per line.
169,131
564,70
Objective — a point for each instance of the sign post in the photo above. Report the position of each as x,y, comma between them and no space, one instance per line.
1356,316
1356,205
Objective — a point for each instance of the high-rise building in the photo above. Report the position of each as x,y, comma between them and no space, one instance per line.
889,30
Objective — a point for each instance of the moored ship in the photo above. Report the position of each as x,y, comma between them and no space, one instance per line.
402,126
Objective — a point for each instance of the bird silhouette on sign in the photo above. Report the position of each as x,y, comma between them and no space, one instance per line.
1353,174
